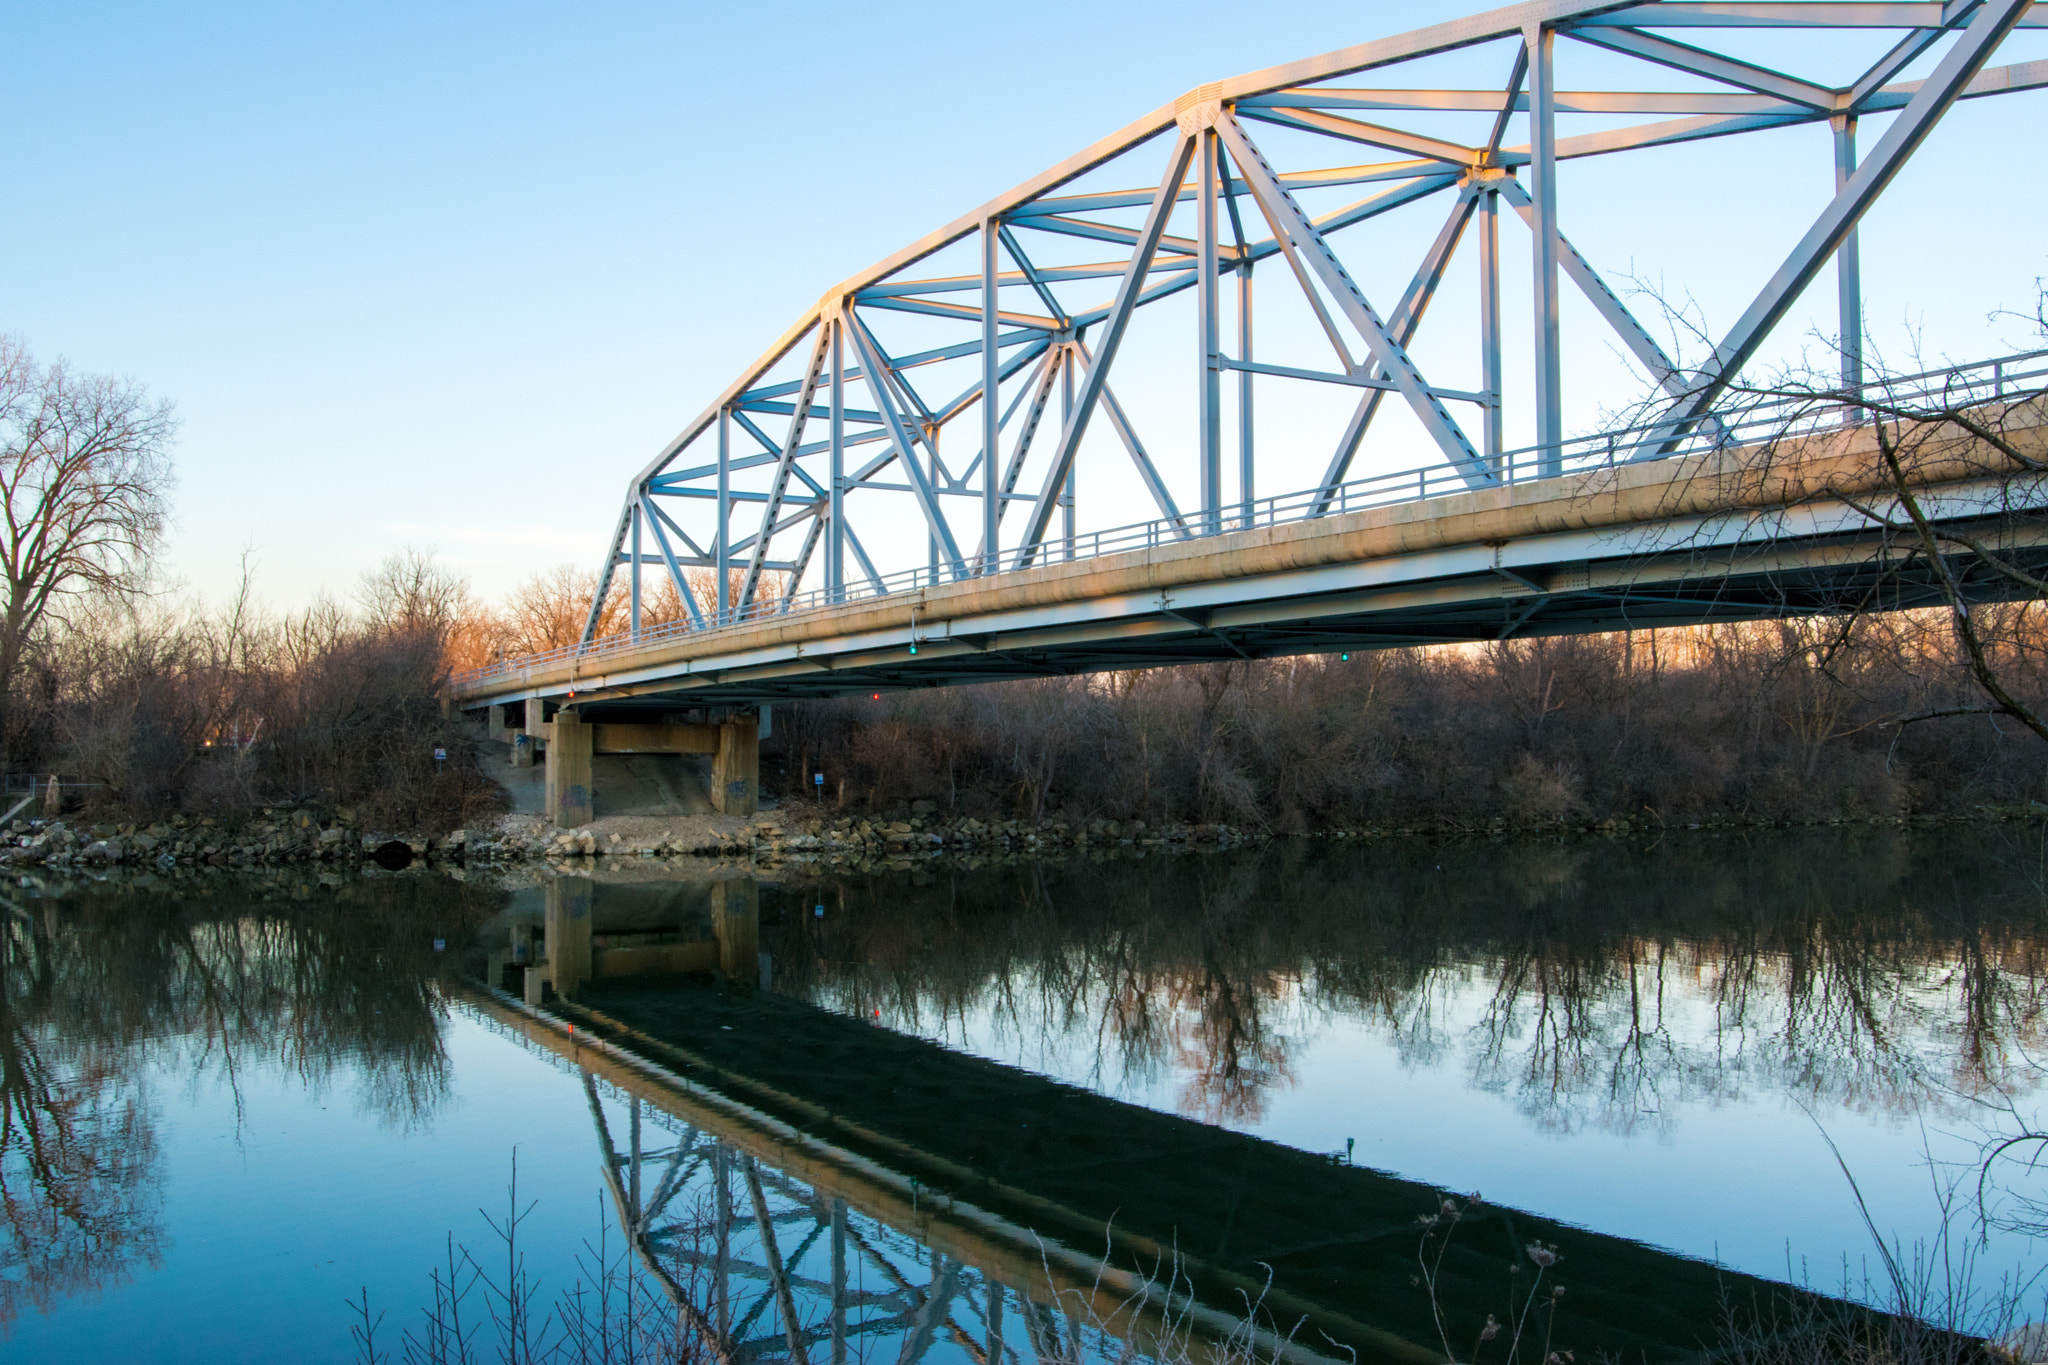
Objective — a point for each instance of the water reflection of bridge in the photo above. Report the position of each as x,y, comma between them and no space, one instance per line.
808,1138
775,1244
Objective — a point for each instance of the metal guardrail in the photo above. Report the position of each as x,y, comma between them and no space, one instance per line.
1768,417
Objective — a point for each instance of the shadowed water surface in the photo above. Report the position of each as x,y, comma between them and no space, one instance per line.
226,1105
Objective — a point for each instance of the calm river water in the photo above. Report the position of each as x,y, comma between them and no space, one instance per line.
898,1115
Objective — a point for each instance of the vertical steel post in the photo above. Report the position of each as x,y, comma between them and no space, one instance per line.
991,414
633,1127
1489,329
995,1318
1543,191
1848,261
838,1282
720,1280
835,546
1246,466
1067,411
721,552
634,581
1209,376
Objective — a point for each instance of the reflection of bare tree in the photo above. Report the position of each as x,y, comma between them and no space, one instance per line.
1600,985
1231,1056
78,1196
102,986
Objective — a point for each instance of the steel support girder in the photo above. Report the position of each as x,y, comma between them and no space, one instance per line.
604,575
1403,324
655,518
802,562
1291,225
1113,334
872,368
779,484
1633,334
1539,48
1041,281
1578,15
1128,434
1344,129
1208,346
1040,387
988,559
633,609
1986,29
1889,66
1712,65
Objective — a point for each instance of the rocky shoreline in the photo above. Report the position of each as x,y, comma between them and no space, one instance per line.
831,843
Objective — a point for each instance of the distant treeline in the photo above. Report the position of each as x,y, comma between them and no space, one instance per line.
145,708
1812,718
152,709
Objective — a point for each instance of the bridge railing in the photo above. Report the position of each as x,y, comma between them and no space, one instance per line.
1752,418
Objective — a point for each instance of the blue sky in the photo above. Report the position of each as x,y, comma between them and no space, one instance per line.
448,274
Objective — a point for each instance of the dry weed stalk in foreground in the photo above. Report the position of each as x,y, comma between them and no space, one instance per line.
616,1313
1534,1299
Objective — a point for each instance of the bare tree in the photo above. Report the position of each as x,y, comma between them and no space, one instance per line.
85,473
1947,465
1912,447
413,592
547,610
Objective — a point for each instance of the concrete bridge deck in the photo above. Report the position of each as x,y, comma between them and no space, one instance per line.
1719,536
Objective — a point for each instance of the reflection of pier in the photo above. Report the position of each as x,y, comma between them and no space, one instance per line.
558,936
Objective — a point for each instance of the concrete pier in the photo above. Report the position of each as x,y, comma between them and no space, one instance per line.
570,745
571,741
527,741
736,773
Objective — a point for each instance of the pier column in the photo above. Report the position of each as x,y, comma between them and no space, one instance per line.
736,772
568,929
568,753
527,742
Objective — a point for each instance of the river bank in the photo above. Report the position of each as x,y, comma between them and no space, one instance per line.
772,838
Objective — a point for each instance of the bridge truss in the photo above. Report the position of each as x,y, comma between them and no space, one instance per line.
961,376
764,1266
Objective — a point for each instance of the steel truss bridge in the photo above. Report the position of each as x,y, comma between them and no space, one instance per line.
961,389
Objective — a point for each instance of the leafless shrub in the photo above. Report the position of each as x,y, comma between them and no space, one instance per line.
1778,720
